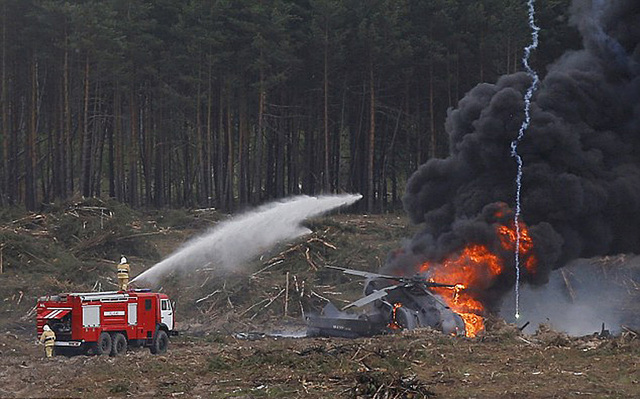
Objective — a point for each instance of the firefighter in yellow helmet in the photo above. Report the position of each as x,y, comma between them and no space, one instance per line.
123,274
48,338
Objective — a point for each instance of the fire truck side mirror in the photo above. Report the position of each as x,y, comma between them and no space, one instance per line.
173,306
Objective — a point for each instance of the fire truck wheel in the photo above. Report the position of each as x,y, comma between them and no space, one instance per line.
103,346
160,343
119,345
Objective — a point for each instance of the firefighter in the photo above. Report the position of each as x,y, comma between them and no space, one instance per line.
123,274
48,338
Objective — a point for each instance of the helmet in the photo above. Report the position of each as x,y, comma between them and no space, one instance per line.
46,327
123,260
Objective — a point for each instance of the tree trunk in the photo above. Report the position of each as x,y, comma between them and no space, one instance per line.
210,143
111,154
394,182
243,142
159,198
201,190
48,160
186,181
257,164
66,132
118,132
372,138
357,156
98,132
418,131
97,175
31,199
167,167
147,136
291,145
388,155
280,161
326,176
221,175
57,144
208,148
7,192
311,140
343,147
85,174
230,159
132,151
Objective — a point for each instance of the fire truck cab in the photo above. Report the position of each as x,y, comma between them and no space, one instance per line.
107,322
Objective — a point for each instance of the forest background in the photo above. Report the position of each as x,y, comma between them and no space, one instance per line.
229,103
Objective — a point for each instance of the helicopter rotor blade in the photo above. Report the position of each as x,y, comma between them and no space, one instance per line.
361,273
430,284
417,279
371,297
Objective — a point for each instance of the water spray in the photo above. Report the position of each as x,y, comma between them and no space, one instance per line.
232,243
514,144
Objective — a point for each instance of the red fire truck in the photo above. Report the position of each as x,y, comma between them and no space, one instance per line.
107,322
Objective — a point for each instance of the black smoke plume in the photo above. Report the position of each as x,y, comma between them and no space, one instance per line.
581,176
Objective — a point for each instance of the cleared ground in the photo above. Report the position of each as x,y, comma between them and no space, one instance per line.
211,360
407,365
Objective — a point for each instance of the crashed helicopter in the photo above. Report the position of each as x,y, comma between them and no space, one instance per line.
390,303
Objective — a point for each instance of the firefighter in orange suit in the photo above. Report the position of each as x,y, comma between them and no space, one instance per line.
48,338
123,274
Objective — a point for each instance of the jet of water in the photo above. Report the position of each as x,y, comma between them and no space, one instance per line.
514,144
233,242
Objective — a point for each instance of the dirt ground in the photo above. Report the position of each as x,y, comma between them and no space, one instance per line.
414,364
218,356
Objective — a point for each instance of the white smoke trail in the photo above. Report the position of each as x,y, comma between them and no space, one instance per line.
514,144
231,243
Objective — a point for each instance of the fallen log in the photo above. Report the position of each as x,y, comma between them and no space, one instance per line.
267,305
208,296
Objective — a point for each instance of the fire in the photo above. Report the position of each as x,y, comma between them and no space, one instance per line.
474,269
508,242
473,324
393,324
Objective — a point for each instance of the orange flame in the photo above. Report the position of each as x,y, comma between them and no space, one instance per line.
393,324
474,269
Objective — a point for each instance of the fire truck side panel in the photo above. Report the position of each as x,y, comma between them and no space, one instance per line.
76,318
132,314
147,315
115,317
